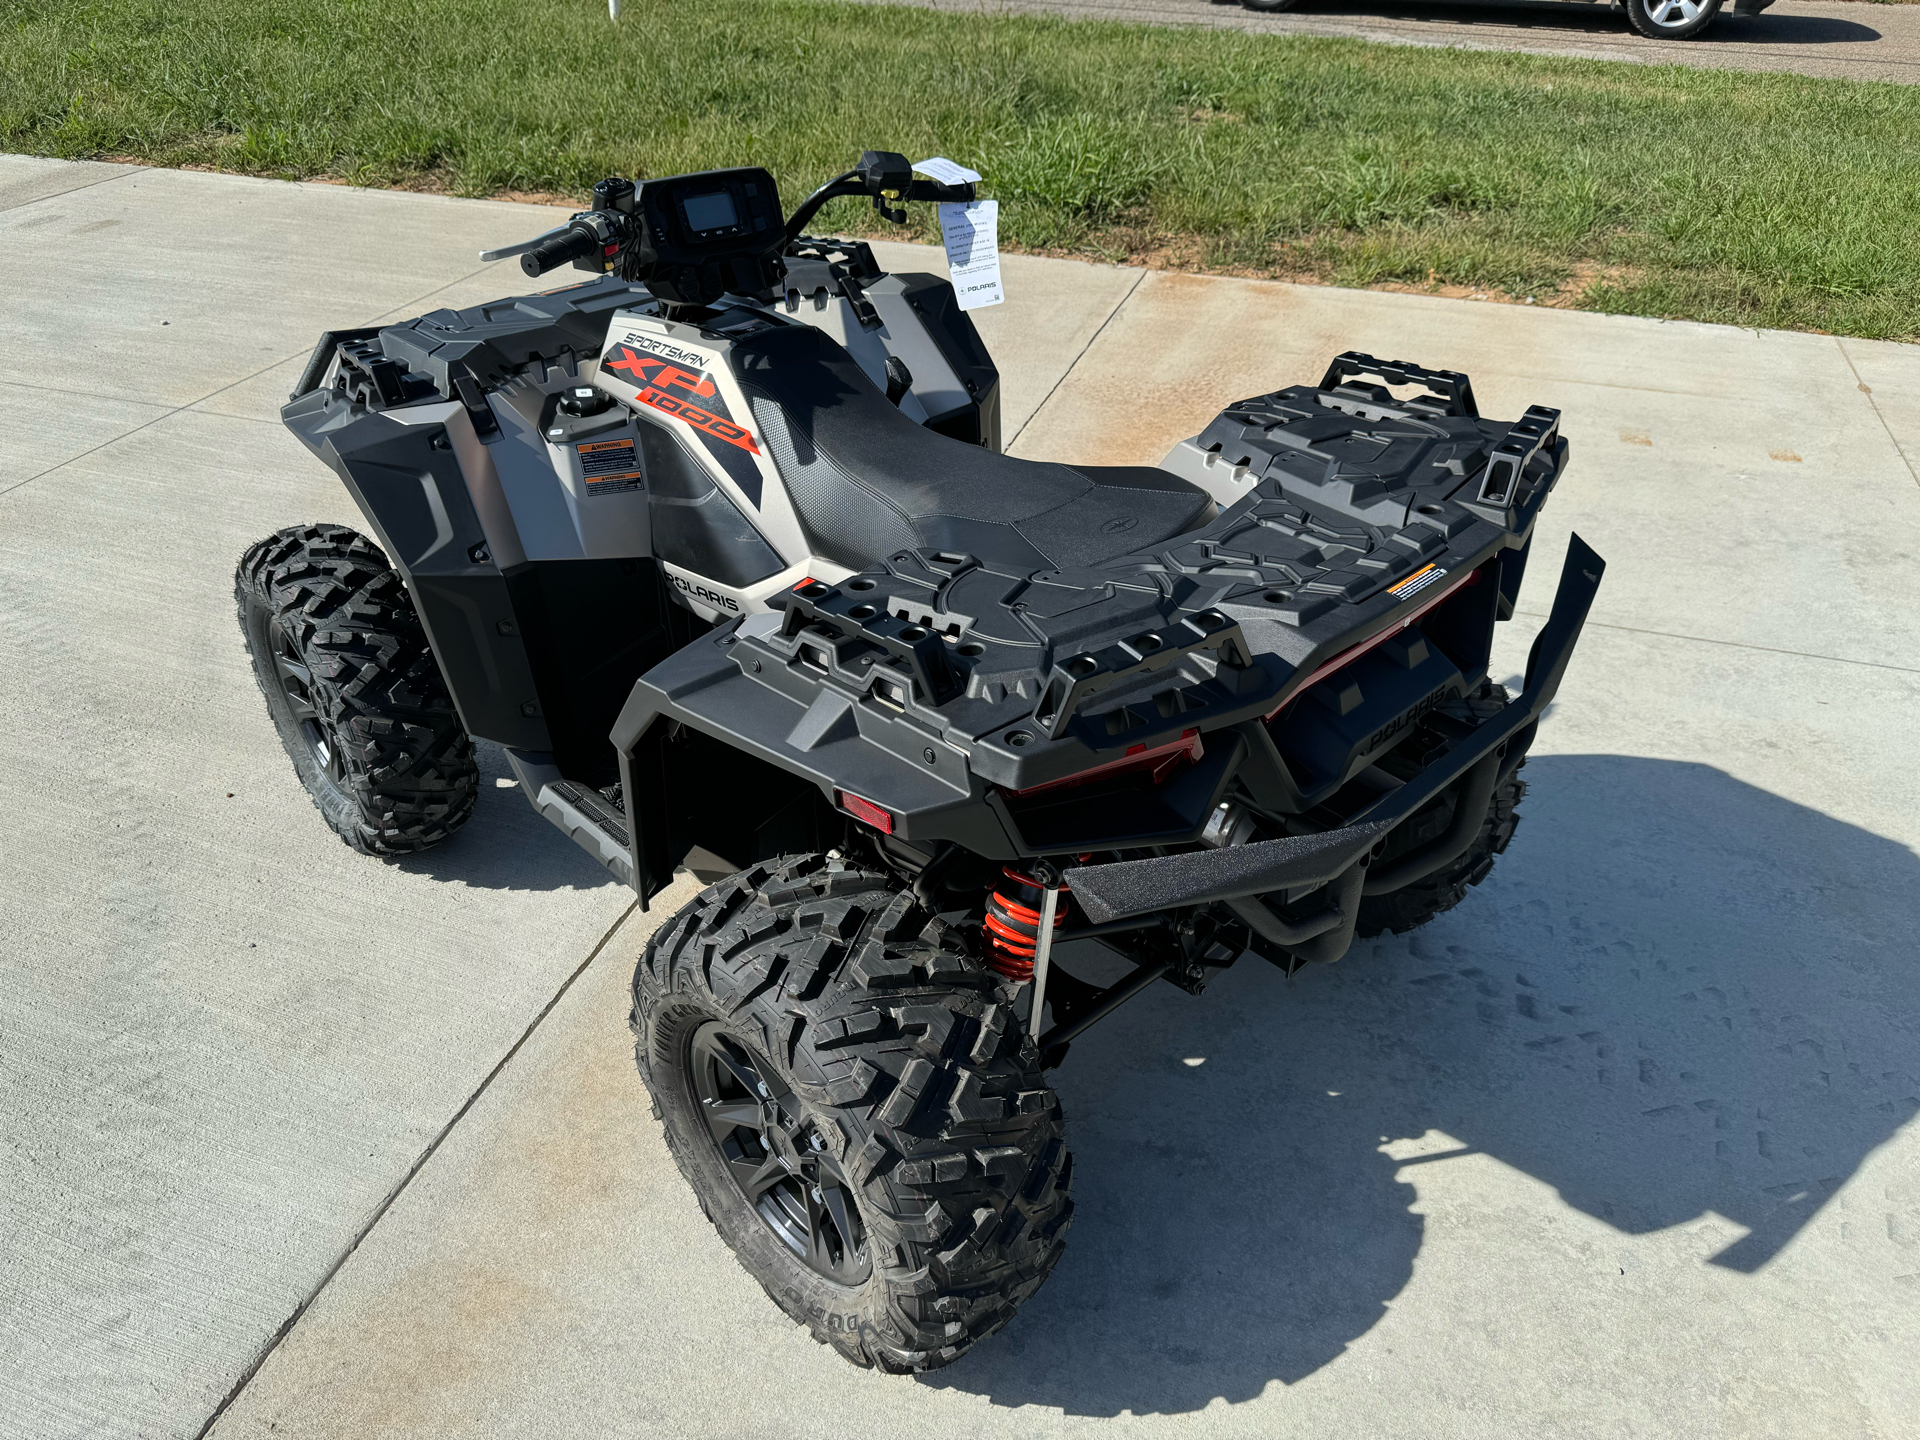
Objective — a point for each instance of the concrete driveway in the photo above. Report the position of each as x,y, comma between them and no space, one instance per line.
1842,39
1624,1144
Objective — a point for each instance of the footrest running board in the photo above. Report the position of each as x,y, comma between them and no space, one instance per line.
587,817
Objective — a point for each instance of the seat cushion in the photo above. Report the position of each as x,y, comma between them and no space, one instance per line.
867,481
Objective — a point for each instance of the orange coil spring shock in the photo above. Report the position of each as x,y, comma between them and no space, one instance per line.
1013,924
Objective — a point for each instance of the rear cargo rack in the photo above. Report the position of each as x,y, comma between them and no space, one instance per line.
1450,388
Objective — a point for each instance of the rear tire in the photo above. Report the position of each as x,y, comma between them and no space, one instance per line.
1417,904
354,690
1269,7
892,1078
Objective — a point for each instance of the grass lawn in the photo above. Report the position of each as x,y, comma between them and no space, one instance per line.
1765,200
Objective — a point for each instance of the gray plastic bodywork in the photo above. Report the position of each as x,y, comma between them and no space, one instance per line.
1339,582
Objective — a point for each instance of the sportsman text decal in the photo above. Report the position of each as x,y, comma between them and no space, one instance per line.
678,388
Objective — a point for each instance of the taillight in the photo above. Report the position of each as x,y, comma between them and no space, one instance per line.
860,810
1161,762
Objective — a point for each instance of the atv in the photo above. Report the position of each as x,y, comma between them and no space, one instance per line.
719,546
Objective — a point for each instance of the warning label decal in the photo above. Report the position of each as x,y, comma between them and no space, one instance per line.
1419,581
608,467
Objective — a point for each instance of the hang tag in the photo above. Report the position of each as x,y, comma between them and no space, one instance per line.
971,233
946,172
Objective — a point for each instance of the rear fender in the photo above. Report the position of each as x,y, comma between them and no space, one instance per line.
712,757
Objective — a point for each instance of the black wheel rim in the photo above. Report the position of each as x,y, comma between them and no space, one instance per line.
296,682
777,1156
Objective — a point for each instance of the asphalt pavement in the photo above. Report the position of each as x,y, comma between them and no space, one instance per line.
1845,39
308,1144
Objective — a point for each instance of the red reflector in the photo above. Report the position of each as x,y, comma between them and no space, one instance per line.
866,811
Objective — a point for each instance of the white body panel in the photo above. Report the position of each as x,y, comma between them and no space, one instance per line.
536,500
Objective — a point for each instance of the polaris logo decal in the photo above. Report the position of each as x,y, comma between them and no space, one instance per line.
717,599
1419,581
1405,719
658,379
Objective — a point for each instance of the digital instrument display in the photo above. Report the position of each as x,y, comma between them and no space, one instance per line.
712,211
711,234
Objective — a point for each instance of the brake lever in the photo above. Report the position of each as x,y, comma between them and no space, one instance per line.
507,252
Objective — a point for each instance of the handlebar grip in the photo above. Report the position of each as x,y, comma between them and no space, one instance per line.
934,191
571,244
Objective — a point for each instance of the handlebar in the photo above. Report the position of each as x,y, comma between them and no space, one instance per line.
574,242
882,176
868,181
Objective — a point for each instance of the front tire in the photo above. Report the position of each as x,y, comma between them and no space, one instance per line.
354,690
1269,7
1671,19
856,1108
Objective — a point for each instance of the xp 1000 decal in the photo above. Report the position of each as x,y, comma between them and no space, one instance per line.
676,382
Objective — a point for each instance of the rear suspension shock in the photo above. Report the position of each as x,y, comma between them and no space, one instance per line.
1013,924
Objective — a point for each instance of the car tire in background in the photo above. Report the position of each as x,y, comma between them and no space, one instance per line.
1269,6
1671,19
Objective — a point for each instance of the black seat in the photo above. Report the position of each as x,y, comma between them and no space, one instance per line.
867,481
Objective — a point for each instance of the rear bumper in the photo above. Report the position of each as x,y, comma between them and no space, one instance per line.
1338,859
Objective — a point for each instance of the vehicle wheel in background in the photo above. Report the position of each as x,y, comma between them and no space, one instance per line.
1269,6
354,691
1671,19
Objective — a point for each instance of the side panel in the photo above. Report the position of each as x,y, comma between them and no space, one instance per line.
592,628
475,634
678,378
539,654
977,418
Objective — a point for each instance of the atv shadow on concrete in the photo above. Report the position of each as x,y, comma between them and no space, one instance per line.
1685,995
512,849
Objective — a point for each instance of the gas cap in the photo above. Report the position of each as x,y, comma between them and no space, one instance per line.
584,400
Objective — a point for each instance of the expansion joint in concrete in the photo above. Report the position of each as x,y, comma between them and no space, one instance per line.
1866,390
286,1327
151,420
1119,306
1734,644
405,306
70,190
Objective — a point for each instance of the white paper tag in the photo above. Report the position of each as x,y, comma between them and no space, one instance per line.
945,171
972,236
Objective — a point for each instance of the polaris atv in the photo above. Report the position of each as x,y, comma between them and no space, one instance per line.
720,547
